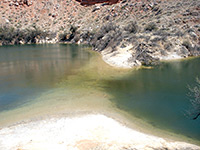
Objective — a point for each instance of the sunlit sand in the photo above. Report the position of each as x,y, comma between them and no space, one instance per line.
81,133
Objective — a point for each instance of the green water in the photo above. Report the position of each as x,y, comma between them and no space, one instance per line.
160,95
69,77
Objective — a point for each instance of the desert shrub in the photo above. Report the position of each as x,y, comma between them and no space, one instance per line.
63,37
162,33
150,27
107,28
9,35
179,34
73,29
131,27
68,35
108,35
86,35
187,44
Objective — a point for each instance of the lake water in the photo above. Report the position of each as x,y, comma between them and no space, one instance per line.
41,79
26,71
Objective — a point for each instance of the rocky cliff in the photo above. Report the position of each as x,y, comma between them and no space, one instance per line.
127,33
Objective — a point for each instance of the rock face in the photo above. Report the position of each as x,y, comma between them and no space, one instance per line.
128,33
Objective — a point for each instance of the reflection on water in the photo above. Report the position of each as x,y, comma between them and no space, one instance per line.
26,71
67,77
159,95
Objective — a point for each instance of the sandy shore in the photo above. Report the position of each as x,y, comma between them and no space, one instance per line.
85,132
124,57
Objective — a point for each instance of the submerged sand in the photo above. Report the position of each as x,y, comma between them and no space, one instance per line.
85,132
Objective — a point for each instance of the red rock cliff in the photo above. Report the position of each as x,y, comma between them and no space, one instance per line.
92,2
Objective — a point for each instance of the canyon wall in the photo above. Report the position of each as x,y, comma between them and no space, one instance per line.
127,33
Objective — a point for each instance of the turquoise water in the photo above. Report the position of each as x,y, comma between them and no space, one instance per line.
157,95
160,95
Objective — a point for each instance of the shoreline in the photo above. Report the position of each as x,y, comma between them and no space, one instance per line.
127,34
120,116
115,114
123,58
113,60
82,131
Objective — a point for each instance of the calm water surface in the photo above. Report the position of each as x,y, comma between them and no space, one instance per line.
157,95
27,71
160,95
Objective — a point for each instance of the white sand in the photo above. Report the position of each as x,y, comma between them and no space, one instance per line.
87,132
120,58
124,57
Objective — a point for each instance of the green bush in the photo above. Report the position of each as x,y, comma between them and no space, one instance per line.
9,35
186,44
131,27
68,36
150,27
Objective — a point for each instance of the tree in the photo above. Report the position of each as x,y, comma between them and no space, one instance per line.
195,100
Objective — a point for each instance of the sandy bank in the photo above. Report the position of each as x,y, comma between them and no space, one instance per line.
81,133
127,58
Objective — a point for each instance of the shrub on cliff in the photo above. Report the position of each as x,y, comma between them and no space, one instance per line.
187,44
131,27
194,50
30,36
6,35
9,35
68,35
86,37
108,27
150,27
63,37
108,35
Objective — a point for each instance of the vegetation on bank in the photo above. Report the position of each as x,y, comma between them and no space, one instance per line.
11,36
149,42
